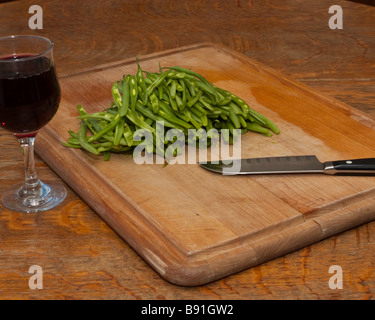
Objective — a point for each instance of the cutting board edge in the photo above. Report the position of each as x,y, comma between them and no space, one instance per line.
140,58
202,268
354,214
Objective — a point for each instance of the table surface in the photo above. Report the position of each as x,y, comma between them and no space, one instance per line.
81,257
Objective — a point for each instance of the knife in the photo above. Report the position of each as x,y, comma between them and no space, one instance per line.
291,165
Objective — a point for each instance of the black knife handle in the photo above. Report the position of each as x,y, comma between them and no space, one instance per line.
351,167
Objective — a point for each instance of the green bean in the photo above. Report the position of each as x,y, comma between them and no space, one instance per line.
93,125
107,155
183,92
168,82
183,117
230,126
250,117
172,101
69,145
265,121
112,125
164,96
221,112
209,125
242,121
179,102
200,108
208,89
149,121
133,92
205,106
97,116
160,92
119,131
234,118
235,108
196,122
103,144
194,99
73,134
157,82
148,81
112,139
116,94
172,89
204,119
148,113
112,111
241,103
225,98
196,112
225,134
190,87
83,113
74,139
193,73
128,135
165,107
102,149
154,102
83,141
180,75
179,87
125,98
257,128
142,85
172,118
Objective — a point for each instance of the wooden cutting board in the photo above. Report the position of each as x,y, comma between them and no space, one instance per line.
193,226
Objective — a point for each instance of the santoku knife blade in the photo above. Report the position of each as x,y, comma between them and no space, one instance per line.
291,165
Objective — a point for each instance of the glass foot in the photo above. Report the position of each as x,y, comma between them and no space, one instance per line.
41,198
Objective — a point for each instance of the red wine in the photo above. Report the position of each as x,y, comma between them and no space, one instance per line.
29,94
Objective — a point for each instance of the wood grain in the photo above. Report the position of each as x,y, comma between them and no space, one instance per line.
292,37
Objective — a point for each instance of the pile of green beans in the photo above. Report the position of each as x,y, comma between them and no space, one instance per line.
181,98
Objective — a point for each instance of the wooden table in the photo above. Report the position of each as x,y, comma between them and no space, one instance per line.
81,257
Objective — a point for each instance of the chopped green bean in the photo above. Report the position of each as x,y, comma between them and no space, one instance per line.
142,85
172,89
157,82
180,98
123,109
83,140
258,128
112,125
133,92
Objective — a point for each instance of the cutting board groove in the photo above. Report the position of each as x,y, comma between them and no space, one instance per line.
193,226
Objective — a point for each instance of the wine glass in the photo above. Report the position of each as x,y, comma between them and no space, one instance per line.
29,98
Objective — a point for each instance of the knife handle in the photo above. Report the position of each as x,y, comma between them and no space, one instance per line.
351,167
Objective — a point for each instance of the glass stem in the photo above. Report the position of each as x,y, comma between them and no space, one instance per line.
32,181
